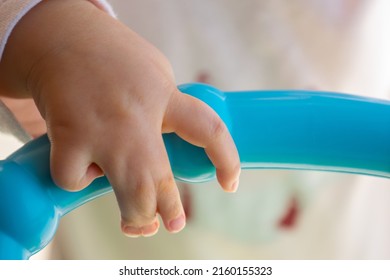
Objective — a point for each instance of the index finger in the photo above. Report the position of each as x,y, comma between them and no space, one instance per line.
198,124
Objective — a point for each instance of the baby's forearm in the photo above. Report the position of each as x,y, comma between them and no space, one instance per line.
11,12
30,30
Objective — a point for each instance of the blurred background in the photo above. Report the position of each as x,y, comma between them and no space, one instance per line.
332,45
335,45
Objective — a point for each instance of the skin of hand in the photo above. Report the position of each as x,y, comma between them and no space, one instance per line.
107,96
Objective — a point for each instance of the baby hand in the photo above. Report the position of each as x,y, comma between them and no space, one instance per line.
107,96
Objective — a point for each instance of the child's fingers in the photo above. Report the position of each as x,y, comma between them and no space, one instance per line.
198,124
136,198
169,204
143,184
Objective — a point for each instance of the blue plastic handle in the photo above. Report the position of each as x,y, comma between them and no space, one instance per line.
272,129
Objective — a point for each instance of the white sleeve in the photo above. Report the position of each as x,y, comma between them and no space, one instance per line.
11,11
105,6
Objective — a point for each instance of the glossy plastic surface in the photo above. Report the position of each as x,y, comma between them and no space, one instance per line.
272,129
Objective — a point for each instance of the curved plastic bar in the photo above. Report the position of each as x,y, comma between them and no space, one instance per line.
272,129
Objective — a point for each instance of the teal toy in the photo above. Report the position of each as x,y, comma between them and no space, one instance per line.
272,129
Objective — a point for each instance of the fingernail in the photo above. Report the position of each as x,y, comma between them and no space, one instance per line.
130,231
146,231
177,224
234,186
150,230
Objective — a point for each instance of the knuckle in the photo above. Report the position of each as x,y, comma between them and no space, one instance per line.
138,207
217,128
143,191
166,183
